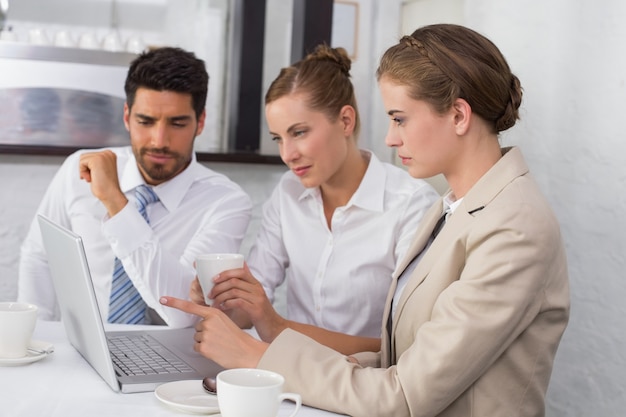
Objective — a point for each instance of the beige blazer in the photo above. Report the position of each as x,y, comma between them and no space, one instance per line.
477,325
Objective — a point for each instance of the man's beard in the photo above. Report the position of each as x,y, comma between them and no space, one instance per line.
161,172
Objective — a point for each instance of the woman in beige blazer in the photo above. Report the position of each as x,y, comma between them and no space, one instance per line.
477,310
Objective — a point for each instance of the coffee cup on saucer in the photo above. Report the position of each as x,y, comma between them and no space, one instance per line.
244,392
17,323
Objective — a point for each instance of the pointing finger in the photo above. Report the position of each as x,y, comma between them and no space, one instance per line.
184,305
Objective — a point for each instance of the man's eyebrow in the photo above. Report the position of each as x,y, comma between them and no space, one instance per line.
182,118
144,117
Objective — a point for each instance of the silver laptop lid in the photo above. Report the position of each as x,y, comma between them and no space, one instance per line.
84,326
76,297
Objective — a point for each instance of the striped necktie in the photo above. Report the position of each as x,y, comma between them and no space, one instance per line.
126,305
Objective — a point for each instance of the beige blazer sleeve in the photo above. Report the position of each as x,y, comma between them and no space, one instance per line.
477,325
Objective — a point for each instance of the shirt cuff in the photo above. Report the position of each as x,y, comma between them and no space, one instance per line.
126,231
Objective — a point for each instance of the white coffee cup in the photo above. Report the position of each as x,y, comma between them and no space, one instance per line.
112,42
245,392
8,35
88,40
38,36
17,323
135,45
63,38
209,265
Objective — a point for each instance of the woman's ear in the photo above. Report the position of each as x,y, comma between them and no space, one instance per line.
462,113
347,116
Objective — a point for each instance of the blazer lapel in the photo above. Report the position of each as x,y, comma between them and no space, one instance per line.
417,245
481,194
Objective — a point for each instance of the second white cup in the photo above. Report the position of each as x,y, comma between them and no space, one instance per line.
88,40
246,392
17,323
209,265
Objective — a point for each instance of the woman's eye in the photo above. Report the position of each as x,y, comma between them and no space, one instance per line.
298,133
276,138
397,121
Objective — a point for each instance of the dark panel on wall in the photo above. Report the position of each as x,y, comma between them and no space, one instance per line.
245,134
312,25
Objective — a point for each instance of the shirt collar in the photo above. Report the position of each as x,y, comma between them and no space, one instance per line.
450,203
370,194
171,192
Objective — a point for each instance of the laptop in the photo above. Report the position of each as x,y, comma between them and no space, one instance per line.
168,352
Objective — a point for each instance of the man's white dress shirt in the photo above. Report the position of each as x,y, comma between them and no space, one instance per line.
199,211
338,278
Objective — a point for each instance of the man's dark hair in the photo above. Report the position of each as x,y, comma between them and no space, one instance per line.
168,69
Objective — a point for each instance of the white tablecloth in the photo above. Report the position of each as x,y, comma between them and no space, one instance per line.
64,385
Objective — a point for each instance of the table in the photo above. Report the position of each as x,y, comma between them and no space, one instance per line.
64,385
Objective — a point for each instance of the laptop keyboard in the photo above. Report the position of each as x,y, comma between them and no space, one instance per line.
143,355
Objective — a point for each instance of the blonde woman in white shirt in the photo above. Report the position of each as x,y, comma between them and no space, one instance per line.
336,224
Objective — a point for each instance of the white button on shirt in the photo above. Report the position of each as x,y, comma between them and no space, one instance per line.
199,211
338,279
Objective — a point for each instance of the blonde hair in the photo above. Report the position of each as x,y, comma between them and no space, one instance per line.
443,62
324,77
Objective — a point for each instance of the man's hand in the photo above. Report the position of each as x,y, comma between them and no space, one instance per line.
100,170
218,338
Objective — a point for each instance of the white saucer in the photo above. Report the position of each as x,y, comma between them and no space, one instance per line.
187,396
30,357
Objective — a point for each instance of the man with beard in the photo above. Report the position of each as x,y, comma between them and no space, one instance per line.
146,210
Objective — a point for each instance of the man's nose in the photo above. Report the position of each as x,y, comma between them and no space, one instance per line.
159,136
